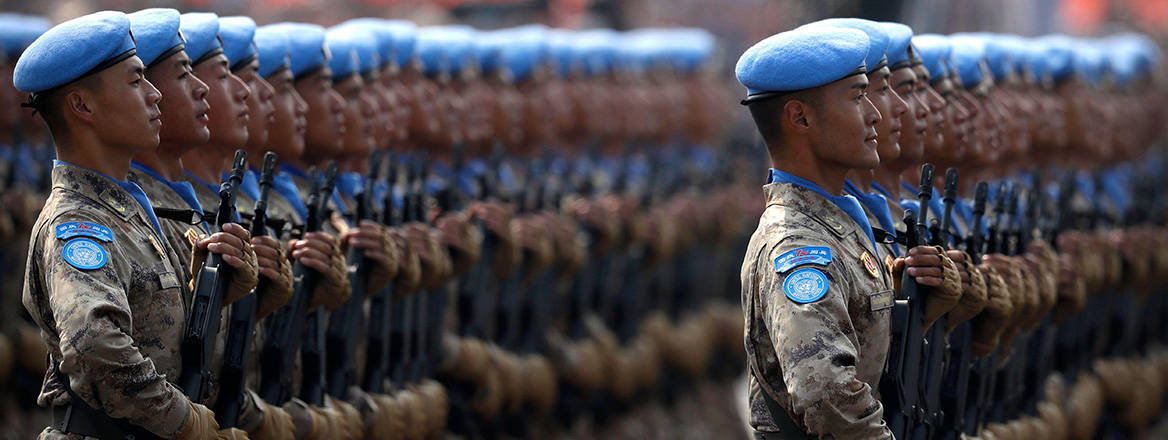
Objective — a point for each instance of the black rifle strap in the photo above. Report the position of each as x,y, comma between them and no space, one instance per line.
885,237
185,216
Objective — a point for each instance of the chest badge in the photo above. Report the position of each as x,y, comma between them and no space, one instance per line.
84,254
192,236
888,262
157,247
805,285
870,264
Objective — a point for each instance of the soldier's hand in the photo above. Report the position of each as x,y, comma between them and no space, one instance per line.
274,266
314,250
377,245
201,424
277,424
231,434
959,258
924,264
232,244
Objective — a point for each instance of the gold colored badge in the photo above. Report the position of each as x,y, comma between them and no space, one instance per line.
157,247
870,264
888,262
191,236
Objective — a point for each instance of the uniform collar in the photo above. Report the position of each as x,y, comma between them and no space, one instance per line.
783,187
119,197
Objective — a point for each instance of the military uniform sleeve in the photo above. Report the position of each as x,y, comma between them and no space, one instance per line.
99,352
806,310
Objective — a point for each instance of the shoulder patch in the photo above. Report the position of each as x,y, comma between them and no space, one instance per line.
820,255
84,254
69,230
805,285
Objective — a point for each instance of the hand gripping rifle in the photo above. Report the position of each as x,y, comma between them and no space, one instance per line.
988,366
233,375
341,336
972,393
214,278
907,333
935,350
312,352
284,334
380,306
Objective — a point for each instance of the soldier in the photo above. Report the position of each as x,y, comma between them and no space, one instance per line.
808,95
88,85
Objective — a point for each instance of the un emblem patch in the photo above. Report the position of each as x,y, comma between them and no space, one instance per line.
84,254
805,285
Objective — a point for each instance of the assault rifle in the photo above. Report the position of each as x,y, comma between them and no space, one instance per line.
377,347
903,389
312,352
211,284
240,331
968,373
935,352
341,336
285,333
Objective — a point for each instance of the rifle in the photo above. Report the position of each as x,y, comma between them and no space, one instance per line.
341,336
1005,379
380,307
198,343
233,376
312,352
907,311
284,334
972,393
935,352
401,342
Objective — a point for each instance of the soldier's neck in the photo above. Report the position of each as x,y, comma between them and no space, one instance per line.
206,163
90,152
888,178
862,178
163,161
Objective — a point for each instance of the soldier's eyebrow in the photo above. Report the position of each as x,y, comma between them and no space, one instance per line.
907,81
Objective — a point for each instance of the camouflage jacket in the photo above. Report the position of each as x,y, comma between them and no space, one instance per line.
817,302
106,293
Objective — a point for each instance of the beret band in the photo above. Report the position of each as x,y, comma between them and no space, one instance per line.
166,54
208,55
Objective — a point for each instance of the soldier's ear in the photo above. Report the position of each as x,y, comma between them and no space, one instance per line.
796,114
78,104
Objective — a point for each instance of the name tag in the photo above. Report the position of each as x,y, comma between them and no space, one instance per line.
880,300
168,280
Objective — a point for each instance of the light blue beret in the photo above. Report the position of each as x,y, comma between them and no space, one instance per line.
1089,62
272,47
692,47
559,43
306,47
238,34
17,31
934,51
433,51
967,56
461,47
595,50
802,58
368,49
405,40
201,30
877,38
515,51
1059,55
998,55
343,48
382,34
72,50
900,52
156,33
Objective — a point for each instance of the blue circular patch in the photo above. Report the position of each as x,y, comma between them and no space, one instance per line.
805,285
84,254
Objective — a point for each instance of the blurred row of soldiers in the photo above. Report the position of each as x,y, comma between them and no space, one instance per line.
1030,304
367,231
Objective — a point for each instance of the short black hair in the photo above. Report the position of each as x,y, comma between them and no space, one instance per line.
767,112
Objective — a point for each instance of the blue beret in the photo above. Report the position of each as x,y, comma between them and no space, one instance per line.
934,51
156,33
344,60
238,34
515,51
461,47
272,47
1089,62
433,51
1059,55
559,43
72,50
692,48
877,38
405,40
800,59
595,50
17,31
306,47
900,51
381,32
998,56
201,29
967,56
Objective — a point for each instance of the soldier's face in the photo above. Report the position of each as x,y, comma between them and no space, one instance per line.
383,129
184,105
914,122
123,108
360,109
288,127
260,108
891,108
955,130
842,125
325,127
935,103
228,116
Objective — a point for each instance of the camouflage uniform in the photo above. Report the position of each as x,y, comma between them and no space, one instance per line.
821,361
113,332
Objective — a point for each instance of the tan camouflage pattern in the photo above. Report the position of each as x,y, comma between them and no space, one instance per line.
112,332
822,360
